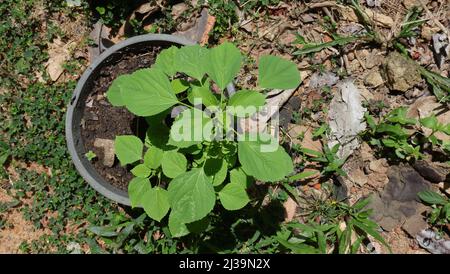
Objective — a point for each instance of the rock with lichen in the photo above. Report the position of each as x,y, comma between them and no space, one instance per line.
401,74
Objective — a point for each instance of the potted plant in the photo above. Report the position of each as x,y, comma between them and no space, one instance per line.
196,150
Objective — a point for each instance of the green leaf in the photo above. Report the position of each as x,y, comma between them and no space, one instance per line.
136,190
179,85
190,128
114,93
141,171
157,133
148,92
270,166
198,226
238,176
176,227
302,175
311,152
430,122
165,61
153,157
223,64
156,203
431,197
205,94
233,196
367,227
277,73
190,60
173,163
128,149
246,102
217,169
192,195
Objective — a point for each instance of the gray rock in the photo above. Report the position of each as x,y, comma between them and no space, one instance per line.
432,171
398,202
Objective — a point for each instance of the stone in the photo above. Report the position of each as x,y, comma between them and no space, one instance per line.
398,201
357,176
434,172
108,150
409,4
401,73
374,79
414,225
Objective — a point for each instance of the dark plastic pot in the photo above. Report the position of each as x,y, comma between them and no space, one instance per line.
77,104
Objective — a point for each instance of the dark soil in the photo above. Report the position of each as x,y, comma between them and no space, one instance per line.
102,120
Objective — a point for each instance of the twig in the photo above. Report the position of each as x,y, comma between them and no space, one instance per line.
435,20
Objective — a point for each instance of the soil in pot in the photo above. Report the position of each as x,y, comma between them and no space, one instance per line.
101,120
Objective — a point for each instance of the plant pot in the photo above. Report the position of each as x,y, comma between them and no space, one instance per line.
77,104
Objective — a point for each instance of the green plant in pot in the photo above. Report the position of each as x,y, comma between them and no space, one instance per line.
194,154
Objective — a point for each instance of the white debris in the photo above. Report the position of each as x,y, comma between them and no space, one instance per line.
346,118
429,240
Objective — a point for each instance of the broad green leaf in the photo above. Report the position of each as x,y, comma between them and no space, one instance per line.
128,149
217,169
263,161
165,61
141,171
246,102
179,85
173,163
157,133
431,197
430,122
223,64
238,176
148,92
191,195
114,93
198,226
176,227
247,98
233,196
153,157
190,60
136,190
277,73
190,128
156,203
205,94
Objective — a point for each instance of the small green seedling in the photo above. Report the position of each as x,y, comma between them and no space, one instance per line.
331,164
440,214
90,155
391,132
344,232
200,157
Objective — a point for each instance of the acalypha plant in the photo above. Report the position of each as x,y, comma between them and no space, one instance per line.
193,154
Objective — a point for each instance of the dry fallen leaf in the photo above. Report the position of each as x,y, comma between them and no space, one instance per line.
290,206
59,53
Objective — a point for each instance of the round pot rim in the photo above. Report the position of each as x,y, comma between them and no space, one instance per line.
112,193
